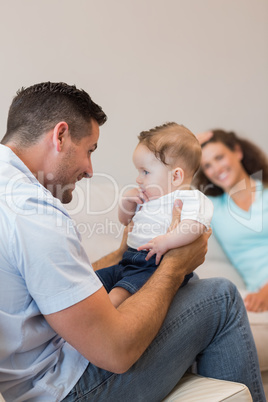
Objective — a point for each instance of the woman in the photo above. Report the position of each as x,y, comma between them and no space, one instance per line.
234,173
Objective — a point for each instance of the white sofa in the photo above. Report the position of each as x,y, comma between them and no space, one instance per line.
96,219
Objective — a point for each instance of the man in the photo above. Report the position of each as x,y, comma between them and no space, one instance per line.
60,336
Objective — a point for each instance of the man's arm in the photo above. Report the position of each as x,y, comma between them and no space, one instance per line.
114,339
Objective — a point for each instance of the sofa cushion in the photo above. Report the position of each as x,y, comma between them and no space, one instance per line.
212,268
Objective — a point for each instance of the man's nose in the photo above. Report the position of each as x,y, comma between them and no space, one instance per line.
88,173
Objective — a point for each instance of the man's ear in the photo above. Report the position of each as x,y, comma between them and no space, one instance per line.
60,132
177,176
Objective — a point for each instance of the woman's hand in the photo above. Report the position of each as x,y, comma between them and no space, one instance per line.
204,137
258,301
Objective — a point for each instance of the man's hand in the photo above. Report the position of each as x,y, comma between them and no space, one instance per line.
257,302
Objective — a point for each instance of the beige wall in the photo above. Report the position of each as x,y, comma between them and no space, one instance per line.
202,63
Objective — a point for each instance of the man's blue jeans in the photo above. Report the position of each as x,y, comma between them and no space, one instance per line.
206,323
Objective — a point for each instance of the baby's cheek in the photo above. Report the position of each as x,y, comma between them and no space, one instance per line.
154,192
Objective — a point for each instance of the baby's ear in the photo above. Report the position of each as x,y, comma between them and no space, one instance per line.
177,176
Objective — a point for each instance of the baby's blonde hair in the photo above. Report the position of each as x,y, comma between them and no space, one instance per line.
173,143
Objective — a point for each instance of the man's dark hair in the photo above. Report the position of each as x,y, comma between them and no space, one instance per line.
38,108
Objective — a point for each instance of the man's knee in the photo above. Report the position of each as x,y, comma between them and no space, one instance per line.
208,290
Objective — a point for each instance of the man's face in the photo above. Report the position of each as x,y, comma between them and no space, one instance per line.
73,164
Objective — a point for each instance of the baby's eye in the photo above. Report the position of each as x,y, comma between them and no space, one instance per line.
145,172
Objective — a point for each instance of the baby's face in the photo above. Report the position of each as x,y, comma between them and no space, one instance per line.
154,178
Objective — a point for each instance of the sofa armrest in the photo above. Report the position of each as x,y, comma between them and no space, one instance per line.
193,388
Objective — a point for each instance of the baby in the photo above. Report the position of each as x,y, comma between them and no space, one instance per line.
166,159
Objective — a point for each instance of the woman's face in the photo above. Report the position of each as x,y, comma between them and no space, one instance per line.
222,166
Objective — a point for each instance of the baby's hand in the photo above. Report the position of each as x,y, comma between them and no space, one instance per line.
157,246
128,204
135,195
